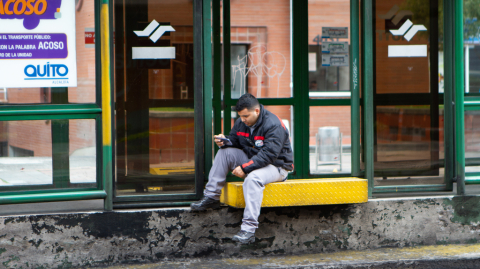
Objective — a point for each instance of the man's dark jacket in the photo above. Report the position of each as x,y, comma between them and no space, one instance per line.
269,143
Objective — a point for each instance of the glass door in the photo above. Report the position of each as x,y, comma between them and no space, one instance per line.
408,111
158,100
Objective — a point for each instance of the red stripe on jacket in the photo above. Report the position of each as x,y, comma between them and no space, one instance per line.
243,134
247,164
259,138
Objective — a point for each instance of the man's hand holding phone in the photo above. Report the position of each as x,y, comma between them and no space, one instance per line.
221,140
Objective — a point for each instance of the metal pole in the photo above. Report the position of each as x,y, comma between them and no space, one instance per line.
367,72
459,99
207,83
106,104
448,113
355,87
199,120
227,67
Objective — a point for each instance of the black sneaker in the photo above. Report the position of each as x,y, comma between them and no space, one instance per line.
244,237
204,204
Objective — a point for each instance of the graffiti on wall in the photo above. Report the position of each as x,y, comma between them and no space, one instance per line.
259,63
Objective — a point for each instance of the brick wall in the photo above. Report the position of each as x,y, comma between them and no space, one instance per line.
171,141
85,91
31,135
265,27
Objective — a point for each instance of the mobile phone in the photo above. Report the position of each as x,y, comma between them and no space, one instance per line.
226,141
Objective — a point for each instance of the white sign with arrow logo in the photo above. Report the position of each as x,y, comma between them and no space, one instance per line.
408,31
154,52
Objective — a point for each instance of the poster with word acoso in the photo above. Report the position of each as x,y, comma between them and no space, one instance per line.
37,43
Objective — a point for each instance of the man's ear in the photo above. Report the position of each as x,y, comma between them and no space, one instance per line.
257,110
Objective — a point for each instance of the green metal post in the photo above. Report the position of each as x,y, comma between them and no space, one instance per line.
300,88
367,86
60,142
207,83
217,67
106,29
199,96
60,153
459,92
354,86
227,68
448,127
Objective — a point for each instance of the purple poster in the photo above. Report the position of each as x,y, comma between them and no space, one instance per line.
31,11
33,46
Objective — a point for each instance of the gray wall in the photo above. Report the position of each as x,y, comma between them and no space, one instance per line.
105,238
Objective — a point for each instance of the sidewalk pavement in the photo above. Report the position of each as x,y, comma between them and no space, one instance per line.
440,256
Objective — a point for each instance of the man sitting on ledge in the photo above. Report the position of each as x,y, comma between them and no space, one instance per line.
257,150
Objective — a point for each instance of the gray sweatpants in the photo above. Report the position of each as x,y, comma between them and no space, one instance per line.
225,161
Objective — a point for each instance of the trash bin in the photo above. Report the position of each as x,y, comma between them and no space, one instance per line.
328,148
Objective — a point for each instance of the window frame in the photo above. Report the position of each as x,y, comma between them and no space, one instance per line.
67,111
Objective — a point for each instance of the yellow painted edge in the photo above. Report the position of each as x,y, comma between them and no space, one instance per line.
105,56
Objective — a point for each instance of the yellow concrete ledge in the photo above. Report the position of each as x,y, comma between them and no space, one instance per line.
302,192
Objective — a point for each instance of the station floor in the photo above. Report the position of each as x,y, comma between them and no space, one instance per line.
441,256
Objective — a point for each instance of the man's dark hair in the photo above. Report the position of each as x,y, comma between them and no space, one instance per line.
247,101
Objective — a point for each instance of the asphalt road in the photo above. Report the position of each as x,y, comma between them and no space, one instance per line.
434,257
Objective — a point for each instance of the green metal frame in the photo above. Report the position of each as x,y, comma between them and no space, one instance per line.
200,80
459,98
361,14
301,108
300,101
60,180
207,83
61,189
367,91
449,75
227,68
453,106
203,115
217,72
355,85
108,148
472,103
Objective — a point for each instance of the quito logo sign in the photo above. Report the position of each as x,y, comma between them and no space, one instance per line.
31,11
37,43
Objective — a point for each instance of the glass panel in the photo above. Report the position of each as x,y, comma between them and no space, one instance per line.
85,34
406,154
329,142
83,151
328,48
283,112
472,141
25,153
154,98
471,15
261,48
85,52
408,125
403,138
